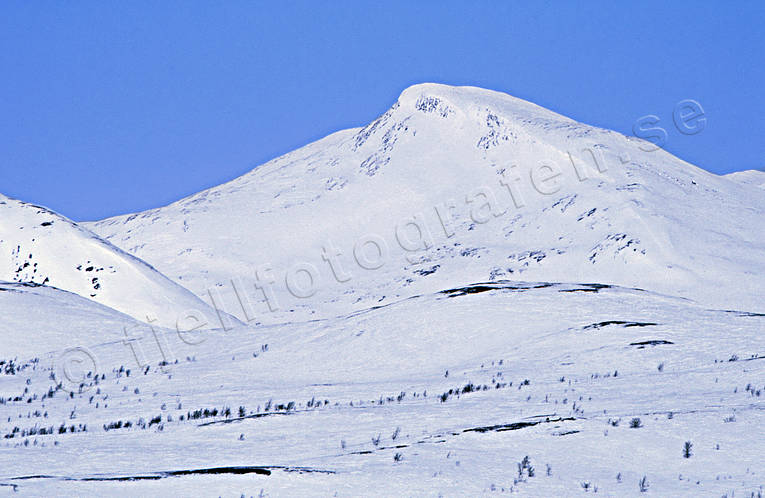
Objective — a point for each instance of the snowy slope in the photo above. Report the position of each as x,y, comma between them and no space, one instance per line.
615,213
752,177
42,247
438,394
37,319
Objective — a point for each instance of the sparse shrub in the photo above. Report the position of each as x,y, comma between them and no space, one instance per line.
636,423
687,449
395,433
376,440
525,467
643,484
398,457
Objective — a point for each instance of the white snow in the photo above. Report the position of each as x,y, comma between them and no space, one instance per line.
649,220
39,319
40,246
539,325
749,177
682,369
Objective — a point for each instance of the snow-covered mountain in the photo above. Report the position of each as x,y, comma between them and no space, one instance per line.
41,247
533,195
469,296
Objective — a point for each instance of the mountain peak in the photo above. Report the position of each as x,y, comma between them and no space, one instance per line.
419,90
445,99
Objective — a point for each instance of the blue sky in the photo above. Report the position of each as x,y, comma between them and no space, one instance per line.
112,107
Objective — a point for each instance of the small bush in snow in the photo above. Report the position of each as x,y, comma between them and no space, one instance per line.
643,484
687,449
525,468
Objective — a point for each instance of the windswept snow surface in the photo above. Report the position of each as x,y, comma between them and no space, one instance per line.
469,296
42,247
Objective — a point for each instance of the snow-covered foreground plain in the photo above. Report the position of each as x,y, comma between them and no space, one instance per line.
469,296
437,394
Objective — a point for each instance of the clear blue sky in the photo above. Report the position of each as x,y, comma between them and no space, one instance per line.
112,107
